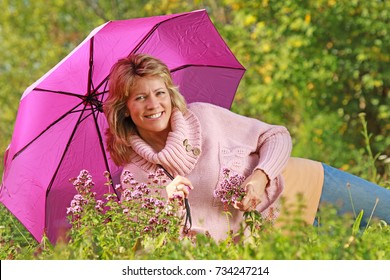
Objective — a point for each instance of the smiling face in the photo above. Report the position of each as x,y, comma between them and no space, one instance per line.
150,107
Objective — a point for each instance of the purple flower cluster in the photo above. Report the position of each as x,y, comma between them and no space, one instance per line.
83,184
230,190
76,206
140,205
141,194
157,179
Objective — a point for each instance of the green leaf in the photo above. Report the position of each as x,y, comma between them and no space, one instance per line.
356,224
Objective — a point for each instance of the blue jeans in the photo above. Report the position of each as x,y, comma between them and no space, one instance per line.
340,186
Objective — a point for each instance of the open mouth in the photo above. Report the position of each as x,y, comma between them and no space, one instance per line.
154,116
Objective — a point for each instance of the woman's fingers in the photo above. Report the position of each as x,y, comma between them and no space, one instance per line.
180,180
184,189
250,200
179,186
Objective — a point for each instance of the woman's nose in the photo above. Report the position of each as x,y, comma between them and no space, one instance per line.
152,102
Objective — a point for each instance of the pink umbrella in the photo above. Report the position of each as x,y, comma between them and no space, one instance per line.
60,126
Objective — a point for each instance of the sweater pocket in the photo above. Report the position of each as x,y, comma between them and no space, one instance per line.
238,160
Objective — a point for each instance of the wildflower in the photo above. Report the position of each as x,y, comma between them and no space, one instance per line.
157,178
159,204
99,205
136,194
153,220
77,209
83,183
230,189
126,195
106,174
128,178
133,182
147,229
177,197
160,173
112,197
225,172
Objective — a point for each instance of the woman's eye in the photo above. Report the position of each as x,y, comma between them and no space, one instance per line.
140,98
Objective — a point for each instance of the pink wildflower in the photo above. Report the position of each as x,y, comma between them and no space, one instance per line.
106,174
153,221
230,189
99,205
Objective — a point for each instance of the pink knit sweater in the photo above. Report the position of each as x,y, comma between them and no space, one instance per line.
204,142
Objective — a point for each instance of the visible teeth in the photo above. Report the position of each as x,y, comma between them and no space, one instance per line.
155,116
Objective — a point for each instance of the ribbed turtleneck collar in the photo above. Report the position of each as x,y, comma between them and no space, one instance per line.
182,149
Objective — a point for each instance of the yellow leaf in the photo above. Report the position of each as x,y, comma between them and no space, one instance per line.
308,18
249,20
266,47
331,3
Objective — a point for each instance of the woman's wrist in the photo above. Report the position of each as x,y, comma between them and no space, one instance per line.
260,175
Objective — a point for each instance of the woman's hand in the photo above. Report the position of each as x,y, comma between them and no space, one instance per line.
254,187
179,186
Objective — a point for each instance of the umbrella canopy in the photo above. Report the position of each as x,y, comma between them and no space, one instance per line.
60,125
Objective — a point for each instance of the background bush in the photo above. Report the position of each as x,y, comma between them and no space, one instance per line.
312,66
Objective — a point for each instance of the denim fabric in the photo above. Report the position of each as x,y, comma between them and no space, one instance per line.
340,186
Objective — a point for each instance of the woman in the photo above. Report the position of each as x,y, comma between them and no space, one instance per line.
150,126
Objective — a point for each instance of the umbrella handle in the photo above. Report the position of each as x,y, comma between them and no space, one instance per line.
186,204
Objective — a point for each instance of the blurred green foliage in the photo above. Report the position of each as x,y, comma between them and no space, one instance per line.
312,66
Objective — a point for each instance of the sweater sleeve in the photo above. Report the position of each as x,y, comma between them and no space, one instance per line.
271,142
274,152
274,146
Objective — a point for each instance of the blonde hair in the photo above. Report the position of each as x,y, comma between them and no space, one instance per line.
122,79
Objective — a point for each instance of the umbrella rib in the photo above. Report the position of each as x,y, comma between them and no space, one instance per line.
102,147
91,89
210,66
81,110
101,92
101,83
146,37
91,45
65,151
85,117
46,129
61,92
